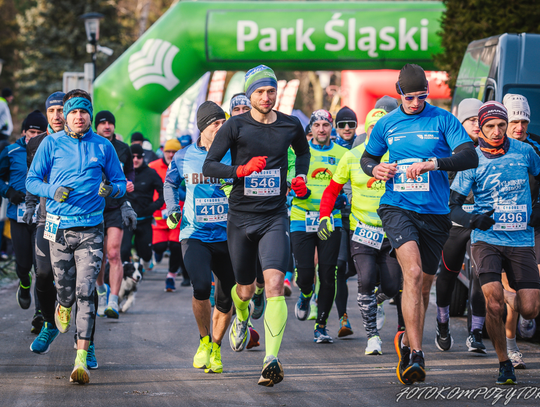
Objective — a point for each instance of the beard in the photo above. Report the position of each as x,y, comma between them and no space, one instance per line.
263,110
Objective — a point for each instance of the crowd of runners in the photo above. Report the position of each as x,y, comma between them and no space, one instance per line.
259,204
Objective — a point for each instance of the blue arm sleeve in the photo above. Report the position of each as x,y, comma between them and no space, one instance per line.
113,172
4,172
40,168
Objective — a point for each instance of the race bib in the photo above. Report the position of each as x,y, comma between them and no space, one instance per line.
21,209
510,217
264,183
371,236
404,184
51,227
312,221
211,210
467,208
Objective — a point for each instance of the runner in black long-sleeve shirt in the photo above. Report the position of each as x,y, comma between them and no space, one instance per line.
257,225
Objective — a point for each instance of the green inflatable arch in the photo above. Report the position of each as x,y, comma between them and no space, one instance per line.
192,38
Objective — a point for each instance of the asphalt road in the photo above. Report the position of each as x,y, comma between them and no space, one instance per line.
145,360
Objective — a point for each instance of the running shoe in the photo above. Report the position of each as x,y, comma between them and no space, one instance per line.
42,343
381,316
401,328
258,305
416,371
80,373
374,346
517,360
186,282
474,342
507,375
321,335
344,327
62,318
253,338
169,285
37,323
239,334
272,372
23,296
201,360
103,299
301,309
215,364
313,308
403,353
112,310
287,288
526,327
443,339
91,361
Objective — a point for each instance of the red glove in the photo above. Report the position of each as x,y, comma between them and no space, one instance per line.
256,164
299,187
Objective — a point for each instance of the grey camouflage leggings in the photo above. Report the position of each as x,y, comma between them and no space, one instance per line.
76,259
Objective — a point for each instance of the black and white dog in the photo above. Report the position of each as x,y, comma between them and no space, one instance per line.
133,273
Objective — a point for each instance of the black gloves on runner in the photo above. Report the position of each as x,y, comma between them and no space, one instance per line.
14,196
129,217
482,221
62,193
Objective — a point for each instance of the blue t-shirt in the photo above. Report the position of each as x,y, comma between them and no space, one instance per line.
503,184
432,133
206,206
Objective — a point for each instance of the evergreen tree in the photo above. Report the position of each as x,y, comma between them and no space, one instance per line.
468,20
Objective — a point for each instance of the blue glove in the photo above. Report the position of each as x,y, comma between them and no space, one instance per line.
341,201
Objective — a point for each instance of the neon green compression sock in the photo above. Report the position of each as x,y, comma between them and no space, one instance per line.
241,306
259,290
275,319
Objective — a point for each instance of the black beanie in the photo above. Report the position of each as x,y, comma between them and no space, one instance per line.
6,92
104,116
345,114
412,78
137,137
137,149
36,121
207,114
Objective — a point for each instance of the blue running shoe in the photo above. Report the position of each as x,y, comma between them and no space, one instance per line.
321,335
301,309
91,361
42,343
506,374
258,305
170,287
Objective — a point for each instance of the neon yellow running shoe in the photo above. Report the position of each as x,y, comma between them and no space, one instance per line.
62,318
216,366
80,372
201,360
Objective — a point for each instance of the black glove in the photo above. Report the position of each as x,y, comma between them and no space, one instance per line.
535,216
482,221
62,193
105,189
173,219
14,196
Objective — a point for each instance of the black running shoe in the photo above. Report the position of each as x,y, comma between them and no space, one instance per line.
443,339
272,372
507,374
474,342
37,323
403,355
416,371
23,296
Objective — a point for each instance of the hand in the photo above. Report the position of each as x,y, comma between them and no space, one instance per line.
417,169
482,221
129,217
325,228
384,171
226,188
62,194
173,219
29,214
256,164
14,196
341,201
300,188
105,189
130,187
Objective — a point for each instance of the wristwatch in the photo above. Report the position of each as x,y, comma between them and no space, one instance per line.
434,161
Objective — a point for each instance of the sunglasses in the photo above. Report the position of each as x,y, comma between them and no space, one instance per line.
342,125
409,98
140,157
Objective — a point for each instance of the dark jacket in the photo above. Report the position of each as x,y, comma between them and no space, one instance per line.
147,180
126,161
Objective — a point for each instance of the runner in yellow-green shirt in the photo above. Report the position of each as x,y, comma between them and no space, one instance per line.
370,248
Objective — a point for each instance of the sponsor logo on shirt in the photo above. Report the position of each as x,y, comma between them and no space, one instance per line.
195,178
322,174
428,136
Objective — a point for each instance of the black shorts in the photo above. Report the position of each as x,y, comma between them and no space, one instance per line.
264,236
429,231
519,263
113,219
455,248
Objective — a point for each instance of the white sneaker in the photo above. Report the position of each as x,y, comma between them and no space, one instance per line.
374,345
381,316
103,299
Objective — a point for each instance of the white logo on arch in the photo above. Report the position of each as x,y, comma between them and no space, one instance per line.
153,64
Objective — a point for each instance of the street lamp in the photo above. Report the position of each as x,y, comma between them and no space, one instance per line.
91,25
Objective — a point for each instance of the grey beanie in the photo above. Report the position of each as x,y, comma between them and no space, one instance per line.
386,103
468,108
